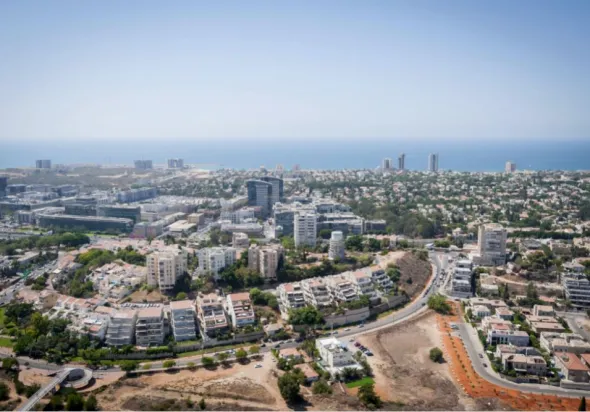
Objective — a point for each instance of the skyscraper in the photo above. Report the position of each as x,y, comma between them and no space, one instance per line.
491,244
386,164
433,162
401,161
43,164
143,164
305,229
175,163
259,194
277,189
3,184
510,167
337,247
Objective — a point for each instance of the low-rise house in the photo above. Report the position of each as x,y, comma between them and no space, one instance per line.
290,353
563,342
505,314
491,304
240,310
501,335
539,327
571,367
309,373
543,310
492,321
481,311
532,365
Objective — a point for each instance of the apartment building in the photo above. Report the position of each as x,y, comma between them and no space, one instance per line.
240,310
265,260
532,365
491,245
337,247
342,289
577,288
571,367
501,335
381,280
214,259
211,315
563,342
305,229
240,240
164,267
362,281
149,327
290,296
121,328
182,317
316,292
335,355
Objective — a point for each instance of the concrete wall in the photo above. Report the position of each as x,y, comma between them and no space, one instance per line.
350,316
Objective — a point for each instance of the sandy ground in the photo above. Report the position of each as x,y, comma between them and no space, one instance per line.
404,373
142,295
240,387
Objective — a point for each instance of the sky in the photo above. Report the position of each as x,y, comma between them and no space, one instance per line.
327,69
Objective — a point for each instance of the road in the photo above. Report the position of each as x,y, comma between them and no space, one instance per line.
48,387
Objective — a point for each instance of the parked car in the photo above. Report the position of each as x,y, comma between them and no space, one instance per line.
263,345
347,329
258,365
357,344
481,356
369,353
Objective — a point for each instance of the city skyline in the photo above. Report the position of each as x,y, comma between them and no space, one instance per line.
332,70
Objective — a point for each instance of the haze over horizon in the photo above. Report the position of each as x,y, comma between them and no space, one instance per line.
143,70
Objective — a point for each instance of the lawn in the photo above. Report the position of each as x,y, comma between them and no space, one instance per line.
6,342
360,382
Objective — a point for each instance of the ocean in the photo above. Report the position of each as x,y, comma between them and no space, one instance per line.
484,156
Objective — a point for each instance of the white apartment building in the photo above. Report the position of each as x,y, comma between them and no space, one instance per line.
342,288
290,296
265,260
121,328
163,267
182,317
337,247
238,216
211,315
240,310
510,167
240,240
362,281
149,328
491,245
305,229
335,355
381,280
316,292
563,342
214,259
461,285
577,288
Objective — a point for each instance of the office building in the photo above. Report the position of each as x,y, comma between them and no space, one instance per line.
284,215
276,191
3,185
143,165
305,229
386,164
290,296
121,328
90,223
136,195
164,267
80,209
510,167
43,164
260,194
175,163
127,212
214,259
401,162
16,189
243,215
182,318
491,245
149,327
211,315
433,162
240,310
337,248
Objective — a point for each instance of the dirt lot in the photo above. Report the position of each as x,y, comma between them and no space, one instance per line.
419,271
240,387
142,296
404,373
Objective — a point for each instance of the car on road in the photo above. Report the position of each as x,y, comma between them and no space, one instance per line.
369,353
347,330
481,356
258,365
485,365
335,332
351,340
357,344
278,345
263,345
362,325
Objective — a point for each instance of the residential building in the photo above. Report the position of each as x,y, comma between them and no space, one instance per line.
335,355
121,328
143,165
243,215
342,288
462,281
43,164
504,335
305,228
337,247
126,212
433,162
149,328
490,303
539,327
197,218
214,259
164,267
137,195
381,280
182,317
240,240
543,310
310,374
240,310
576,288
563,342
401,161
175,163
211,315
481,311
316,292
362,280
531,365
491,245
505,313
510,167
290,296
265,260
571,367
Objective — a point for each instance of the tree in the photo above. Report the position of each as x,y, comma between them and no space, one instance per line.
191,365
321,387
128,365
91,404
436,355
202,404
582,406
368,397
289,387
241,355
180,296
169,364
222,357
439,304
208,362
307,315
4,391
74,402
325,233
254,350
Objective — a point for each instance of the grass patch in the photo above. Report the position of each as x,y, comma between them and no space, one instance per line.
2,317
360,382
213,349
6,342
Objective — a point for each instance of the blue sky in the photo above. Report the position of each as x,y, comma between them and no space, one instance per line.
303,69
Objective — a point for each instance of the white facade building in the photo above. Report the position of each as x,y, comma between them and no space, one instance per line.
491,245
316,292
163,268
214,259
337,247
149,328
182,318
305,229
211,315
121,328
335,355
240,310
290,296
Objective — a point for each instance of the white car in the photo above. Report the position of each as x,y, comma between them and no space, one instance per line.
258,365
